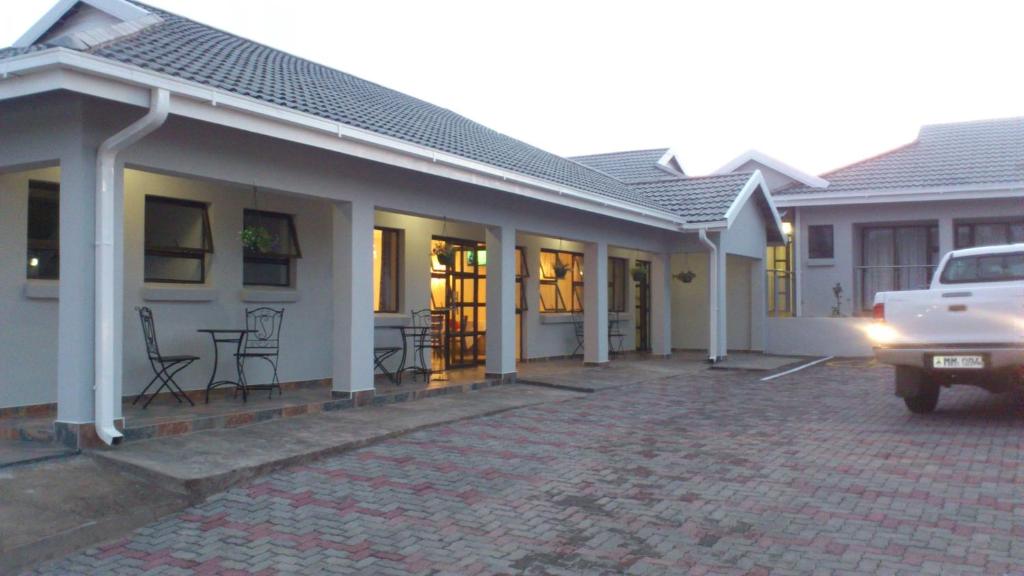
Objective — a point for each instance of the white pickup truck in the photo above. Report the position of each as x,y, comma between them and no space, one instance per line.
966,328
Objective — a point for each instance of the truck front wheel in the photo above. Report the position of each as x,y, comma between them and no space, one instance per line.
925,401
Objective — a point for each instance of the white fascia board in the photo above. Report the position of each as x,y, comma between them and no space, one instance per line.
756,182
665,163
976,192
775,164
497,178
117,8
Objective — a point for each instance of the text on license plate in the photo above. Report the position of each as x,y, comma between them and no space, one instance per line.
958,362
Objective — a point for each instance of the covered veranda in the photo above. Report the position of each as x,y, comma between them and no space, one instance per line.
336,203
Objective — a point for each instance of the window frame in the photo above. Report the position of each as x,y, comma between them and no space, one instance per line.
615,262
811,228
932,256
575,304
278,258
34,245
971,224
398,270
199,254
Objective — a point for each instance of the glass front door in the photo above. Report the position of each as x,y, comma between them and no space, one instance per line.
643,308
462,308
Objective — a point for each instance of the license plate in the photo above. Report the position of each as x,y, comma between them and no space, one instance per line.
958,362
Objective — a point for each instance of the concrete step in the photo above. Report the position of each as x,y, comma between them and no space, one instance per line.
199,464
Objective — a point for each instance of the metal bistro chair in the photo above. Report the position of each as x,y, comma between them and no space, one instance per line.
615,334
264,342
424,340
577,326
164,367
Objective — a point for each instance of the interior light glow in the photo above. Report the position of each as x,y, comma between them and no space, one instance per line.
33,262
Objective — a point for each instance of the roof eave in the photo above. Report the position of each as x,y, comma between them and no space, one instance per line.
59,57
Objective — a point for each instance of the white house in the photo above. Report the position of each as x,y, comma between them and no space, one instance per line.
884,223
136,145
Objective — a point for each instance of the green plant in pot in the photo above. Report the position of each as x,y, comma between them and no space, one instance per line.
639,273
561,269
257,239
445,254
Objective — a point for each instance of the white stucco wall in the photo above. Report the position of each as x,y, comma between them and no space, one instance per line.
816,279
818,336
28,339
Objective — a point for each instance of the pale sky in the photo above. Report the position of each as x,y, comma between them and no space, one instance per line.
815,84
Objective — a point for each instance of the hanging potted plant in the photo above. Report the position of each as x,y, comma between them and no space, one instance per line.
639,273
257,239
445,254
560,269
686,277
255,236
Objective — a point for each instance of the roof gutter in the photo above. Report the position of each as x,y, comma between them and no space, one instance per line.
106,162
702,235
95,65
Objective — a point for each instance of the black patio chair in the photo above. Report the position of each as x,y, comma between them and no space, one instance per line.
164,367
577,327
382,353
425,338
263,342
615,334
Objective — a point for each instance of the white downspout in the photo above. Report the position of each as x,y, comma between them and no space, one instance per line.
702,233
106,161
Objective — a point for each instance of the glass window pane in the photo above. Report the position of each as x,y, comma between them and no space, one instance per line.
267,272
280,227
175,225
160,268
820,241
990,234
385,270
43,257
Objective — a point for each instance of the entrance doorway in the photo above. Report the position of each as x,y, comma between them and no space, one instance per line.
642,294
522,272
458,301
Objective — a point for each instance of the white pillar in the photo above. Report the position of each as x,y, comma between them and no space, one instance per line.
758,304
723,304
501,305
661,305
946,239
353,300
595,303
75,309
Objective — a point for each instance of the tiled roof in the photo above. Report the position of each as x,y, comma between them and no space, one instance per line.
185,49
963,154
697,199
631,166
192,51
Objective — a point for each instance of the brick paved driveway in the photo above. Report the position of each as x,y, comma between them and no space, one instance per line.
822,471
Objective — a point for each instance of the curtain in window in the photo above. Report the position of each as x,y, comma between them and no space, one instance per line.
878,259
912,253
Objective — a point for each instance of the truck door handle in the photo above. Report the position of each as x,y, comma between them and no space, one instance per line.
958,308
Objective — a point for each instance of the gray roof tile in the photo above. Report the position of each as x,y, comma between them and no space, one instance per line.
961,154
630,166
696,199
182,48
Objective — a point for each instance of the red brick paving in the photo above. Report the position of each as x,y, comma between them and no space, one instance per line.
822,472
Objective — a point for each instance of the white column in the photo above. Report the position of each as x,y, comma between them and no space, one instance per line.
75,308
758,304
946,240
661,305
595,303
723,304
353,300
501,305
